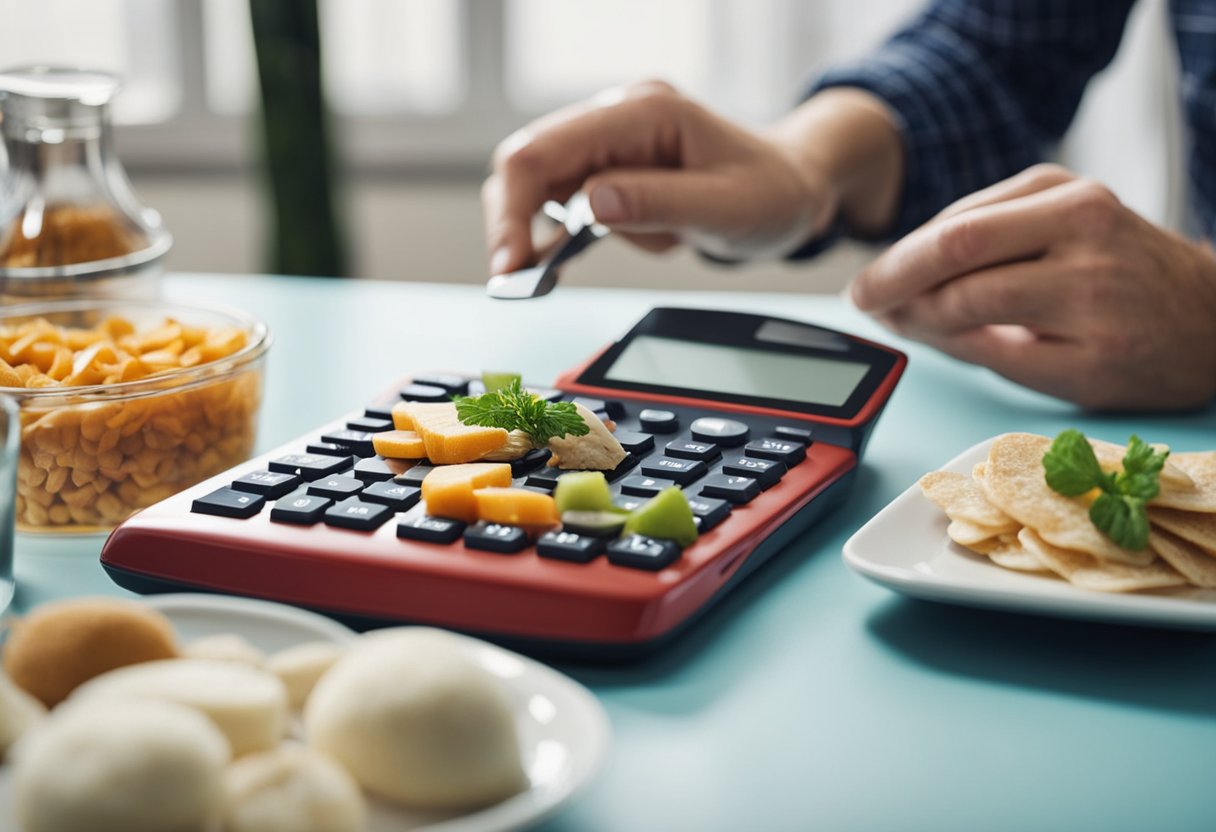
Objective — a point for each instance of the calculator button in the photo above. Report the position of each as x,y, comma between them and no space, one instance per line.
641,552
684,449
544,478
373,469
228,502
430,529
394,495
767,472
414,475
659,421
635,443
310,466
353,513
495,537
782,450
708,511
336,487
569,546
301,508
378,412
530,462
370,424
729,433
803,436
424,393
683,471
627,504
730,488
624,467
327,448
358,442
272,484
641,486
452,383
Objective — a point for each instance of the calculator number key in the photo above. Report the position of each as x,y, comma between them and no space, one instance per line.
355,514
495,537
766,472
272,484
708,512
310,466
640,552
684,449
683,471
737,490
228,502
394,495
335,487
300,508
779,450
642,486
569,546
429,529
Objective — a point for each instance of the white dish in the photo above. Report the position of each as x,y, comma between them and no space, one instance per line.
563,728
905,548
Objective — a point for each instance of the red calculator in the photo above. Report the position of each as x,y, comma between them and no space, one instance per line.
759,420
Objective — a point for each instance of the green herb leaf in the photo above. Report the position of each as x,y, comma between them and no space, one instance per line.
514,408
1072,468
1119,511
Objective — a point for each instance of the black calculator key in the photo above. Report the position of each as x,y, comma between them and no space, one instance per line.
624,467
310,466
424,393
358,442
301,508
782,450
683,471
370,424
628,503
643,486
659,421
455,385
228,502
641,552
396,496
327,448
635,443
414,476
569,546
430,529
495,537
272,484
793,434
708,511
685,449
373,469
729,433
379,412
733,489
353,513
544,478
767,472
337,487
529,462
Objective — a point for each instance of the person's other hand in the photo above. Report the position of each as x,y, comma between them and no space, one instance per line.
1050,281
661,169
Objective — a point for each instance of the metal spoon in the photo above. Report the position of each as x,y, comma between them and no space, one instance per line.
581,231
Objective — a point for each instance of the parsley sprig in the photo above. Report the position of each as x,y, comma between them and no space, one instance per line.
1119,511
515,408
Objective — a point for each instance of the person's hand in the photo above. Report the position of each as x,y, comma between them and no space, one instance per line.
1050,281
661,169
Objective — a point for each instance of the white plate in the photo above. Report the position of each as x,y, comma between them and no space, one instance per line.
904,548
563,729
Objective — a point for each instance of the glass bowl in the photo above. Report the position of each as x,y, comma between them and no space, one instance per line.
92,454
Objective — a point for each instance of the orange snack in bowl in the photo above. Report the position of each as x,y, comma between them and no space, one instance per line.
516,507
448,489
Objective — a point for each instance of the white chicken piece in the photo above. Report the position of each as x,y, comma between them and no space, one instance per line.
597,450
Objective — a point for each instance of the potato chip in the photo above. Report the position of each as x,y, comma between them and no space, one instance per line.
1088,572
962,500
1008,552
1014,482
1199,529
1201,496
1110,457
1198,567
969,534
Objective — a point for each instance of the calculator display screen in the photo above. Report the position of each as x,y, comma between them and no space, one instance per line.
737,370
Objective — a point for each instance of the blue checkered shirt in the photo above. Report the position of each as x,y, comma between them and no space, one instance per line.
985,88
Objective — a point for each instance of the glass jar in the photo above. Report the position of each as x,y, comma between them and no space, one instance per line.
69,223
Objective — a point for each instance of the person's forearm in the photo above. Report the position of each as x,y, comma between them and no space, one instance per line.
849,137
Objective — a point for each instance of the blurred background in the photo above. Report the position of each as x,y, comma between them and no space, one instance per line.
420,91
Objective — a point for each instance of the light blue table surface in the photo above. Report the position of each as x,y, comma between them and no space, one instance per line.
810,698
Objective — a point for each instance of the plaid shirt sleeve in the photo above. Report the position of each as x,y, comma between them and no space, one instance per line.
982,89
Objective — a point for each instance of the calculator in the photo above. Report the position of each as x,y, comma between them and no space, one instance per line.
759,420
